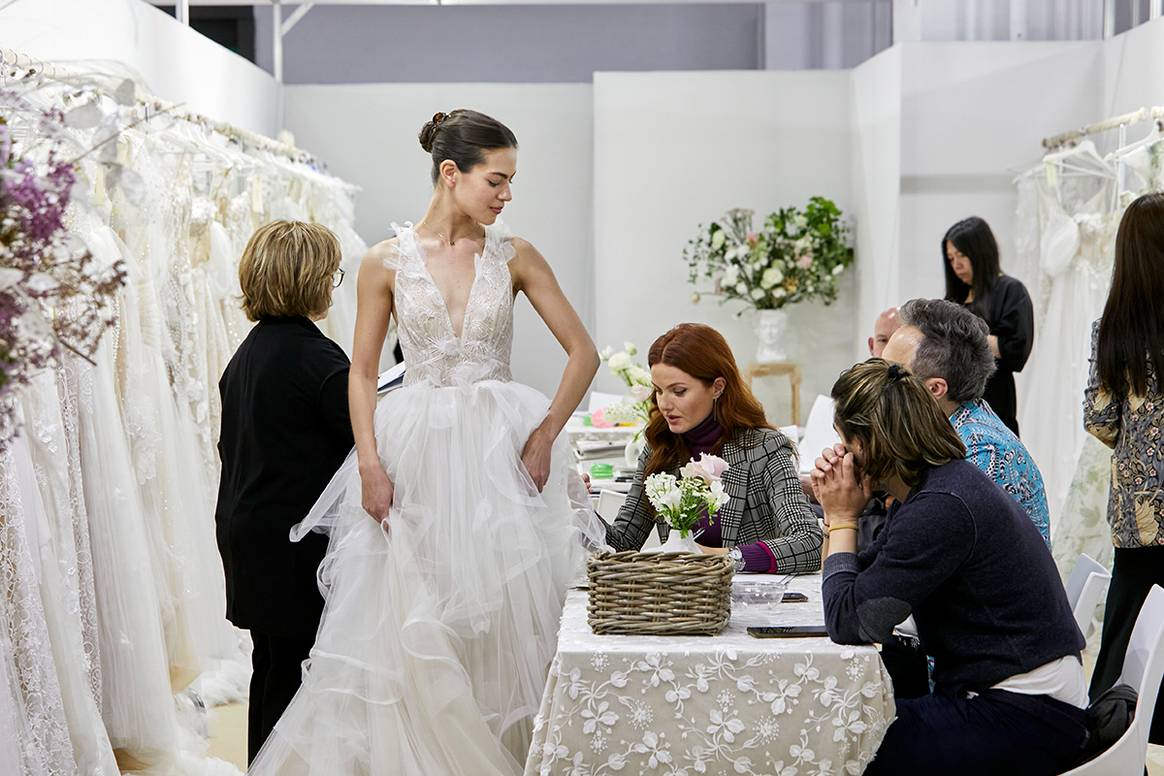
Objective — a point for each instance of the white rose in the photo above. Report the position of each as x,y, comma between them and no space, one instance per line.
838,269
630,348
639,376
731,276
672,499
779,293
693,471
771,277
641,392
759,293
620,361
742,288
713,465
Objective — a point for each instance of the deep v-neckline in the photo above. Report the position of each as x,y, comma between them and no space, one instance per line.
477,257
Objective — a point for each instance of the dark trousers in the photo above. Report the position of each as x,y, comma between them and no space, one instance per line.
1133,573
996,732
908,668
277,672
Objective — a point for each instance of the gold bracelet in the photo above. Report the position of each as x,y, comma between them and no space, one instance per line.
841,527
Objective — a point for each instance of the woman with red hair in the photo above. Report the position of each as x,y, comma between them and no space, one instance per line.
701,405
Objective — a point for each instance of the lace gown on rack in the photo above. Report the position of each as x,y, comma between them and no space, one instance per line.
438,631
1075,257
137,700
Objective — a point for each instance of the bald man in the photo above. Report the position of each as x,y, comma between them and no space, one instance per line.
887,323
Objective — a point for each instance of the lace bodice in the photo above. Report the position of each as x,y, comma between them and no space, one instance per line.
434,353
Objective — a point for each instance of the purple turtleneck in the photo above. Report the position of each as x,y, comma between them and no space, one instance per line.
703,438
700,439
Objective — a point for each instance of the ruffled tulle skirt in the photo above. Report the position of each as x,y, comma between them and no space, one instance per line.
439,627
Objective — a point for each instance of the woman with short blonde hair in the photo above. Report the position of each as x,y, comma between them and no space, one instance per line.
289,268
285,431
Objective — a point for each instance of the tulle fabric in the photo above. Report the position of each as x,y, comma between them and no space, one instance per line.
439,627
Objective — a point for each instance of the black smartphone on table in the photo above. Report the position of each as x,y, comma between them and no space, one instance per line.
787,631
794,598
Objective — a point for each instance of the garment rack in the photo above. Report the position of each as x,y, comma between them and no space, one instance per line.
34,68
1135,117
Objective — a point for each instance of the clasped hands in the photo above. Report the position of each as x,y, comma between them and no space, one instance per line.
841,487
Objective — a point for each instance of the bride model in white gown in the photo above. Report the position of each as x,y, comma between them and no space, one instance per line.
442,619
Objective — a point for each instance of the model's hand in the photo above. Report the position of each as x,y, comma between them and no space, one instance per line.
535,456
377,492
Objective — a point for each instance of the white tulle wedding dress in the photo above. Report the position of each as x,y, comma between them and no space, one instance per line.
439,628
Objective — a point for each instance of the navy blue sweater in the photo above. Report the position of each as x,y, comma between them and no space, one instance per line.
962,557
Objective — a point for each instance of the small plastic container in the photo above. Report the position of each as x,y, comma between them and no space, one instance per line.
602,471
757,594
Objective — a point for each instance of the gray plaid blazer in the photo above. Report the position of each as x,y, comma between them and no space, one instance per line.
766,504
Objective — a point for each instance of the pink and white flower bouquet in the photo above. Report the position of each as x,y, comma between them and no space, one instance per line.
681,501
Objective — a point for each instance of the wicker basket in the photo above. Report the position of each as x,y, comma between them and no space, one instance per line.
659,594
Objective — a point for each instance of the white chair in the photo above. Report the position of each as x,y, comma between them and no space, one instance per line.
609,502
1084,588
1143,670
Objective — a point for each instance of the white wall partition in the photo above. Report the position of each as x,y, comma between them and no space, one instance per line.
673,150
875,95
367,133
1133,64
972,118
176,63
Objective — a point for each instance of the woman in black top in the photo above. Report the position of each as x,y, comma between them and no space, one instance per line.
974,279
285,431
1009,691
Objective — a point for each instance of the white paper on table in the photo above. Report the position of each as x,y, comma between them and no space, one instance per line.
600,400
390,379
818,433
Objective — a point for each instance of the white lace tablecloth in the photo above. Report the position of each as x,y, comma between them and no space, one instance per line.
726,704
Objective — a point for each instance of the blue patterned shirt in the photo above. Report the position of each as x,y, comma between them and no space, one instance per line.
994,449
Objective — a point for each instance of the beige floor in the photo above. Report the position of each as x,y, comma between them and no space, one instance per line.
228,734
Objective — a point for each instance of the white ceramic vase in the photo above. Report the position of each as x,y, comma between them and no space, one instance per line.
677,543
770,334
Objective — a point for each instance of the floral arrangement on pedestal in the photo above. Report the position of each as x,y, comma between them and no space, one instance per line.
635,408
681,501
798,254
54,295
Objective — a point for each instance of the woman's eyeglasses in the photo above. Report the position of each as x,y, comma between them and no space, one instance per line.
338,278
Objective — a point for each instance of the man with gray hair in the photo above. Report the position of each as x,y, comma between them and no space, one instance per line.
945,346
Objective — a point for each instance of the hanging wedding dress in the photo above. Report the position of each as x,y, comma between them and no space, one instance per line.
137,702
1068,215
1077,217
336,211
32,711
439,628
176,494
44,473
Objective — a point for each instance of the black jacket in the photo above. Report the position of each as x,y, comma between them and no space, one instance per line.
285,431
963,558
1008,311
